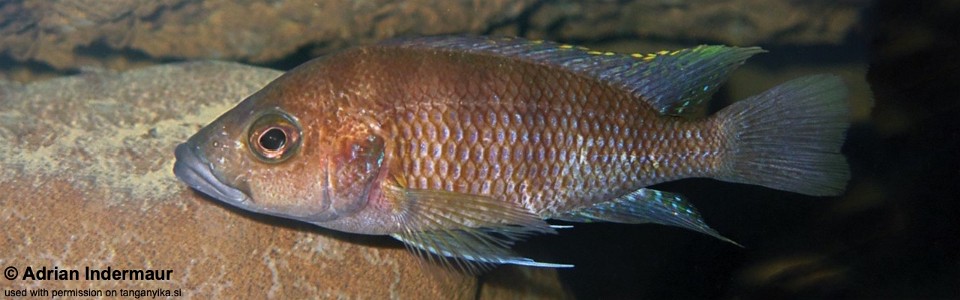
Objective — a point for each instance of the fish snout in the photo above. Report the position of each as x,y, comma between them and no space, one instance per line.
192,168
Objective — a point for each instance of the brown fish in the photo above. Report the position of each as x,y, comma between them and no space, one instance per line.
461,146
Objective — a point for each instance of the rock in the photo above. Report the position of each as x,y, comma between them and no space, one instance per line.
115,34
87,183
58,36
735,22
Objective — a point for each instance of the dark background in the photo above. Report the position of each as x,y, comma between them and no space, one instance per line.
894,235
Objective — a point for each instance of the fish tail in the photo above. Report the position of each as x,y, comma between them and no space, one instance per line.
789,137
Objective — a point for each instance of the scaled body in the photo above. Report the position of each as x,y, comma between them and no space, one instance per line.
534,135
460,146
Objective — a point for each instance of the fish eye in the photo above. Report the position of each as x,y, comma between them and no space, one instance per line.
274,137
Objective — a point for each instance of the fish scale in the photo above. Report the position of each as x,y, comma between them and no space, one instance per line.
461,147
567,151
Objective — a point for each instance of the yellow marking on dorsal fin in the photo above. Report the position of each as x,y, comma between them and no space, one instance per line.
594,52
566,46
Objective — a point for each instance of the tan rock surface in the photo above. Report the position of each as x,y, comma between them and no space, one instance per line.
74,33
86,181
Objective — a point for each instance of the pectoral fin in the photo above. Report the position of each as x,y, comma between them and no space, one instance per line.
645,206
474,231
471,249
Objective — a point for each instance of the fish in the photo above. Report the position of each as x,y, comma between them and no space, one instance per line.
462,146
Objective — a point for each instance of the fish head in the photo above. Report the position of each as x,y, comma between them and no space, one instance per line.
285,152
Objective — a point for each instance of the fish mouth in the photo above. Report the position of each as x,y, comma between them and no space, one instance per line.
193,169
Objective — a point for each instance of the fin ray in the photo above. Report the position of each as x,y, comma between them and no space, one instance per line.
673,82
467,232
789,137
471,250
645,206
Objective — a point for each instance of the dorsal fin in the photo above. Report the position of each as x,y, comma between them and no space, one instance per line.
671,81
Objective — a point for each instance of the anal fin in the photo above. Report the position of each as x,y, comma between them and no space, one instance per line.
645,206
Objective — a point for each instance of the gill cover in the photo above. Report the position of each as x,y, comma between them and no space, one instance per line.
354,169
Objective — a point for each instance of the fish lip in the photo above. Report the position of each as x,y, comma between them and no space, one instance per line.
192,168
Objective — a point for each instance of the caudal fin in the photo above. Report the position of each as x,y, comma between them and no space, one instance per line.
789,137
